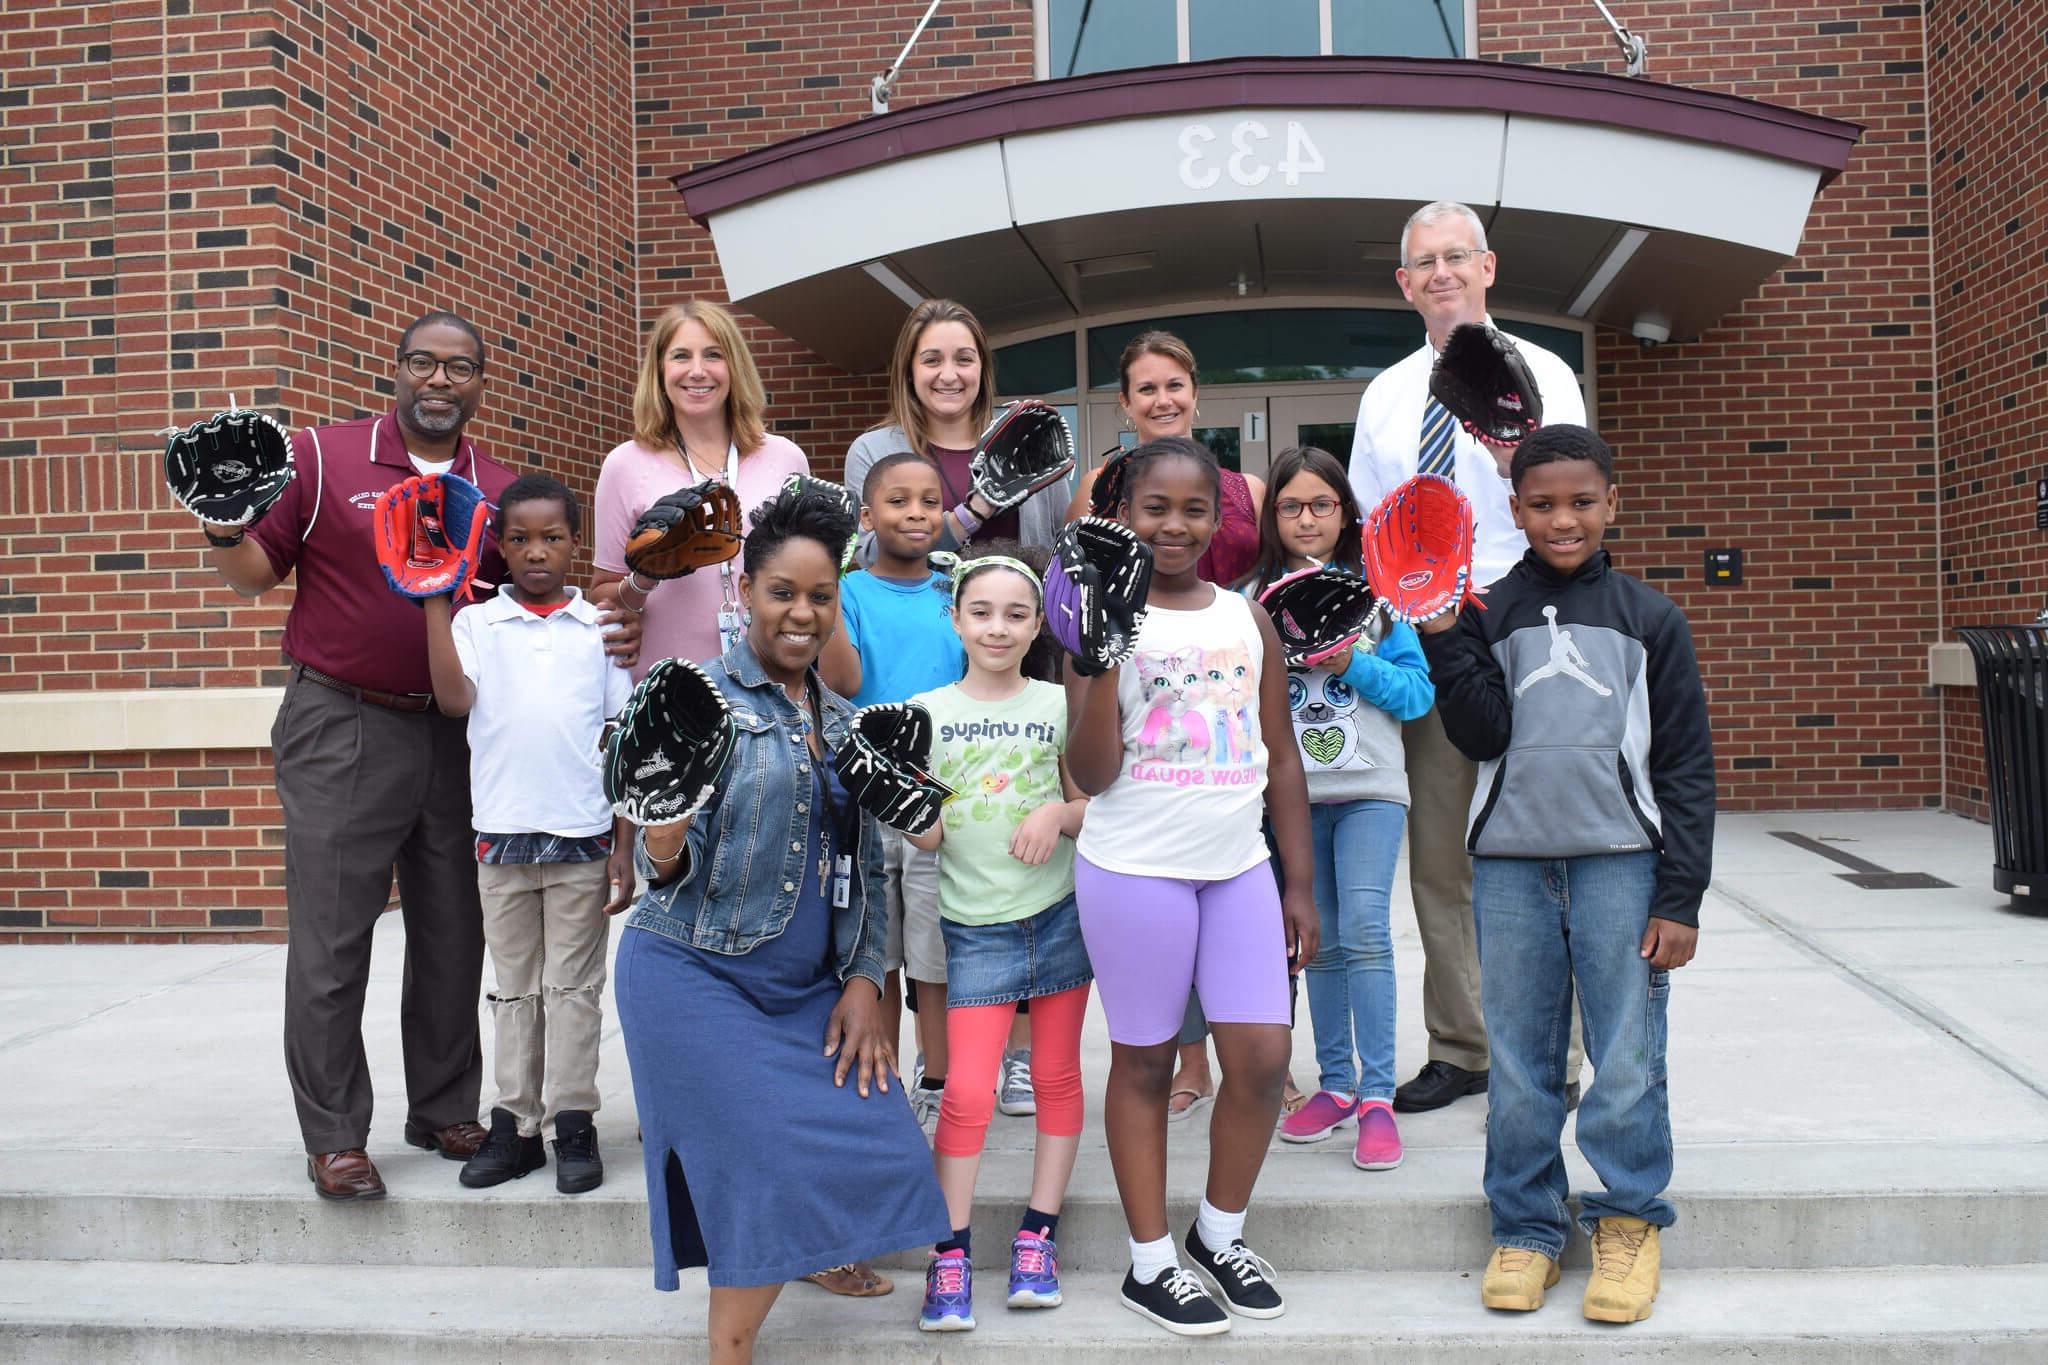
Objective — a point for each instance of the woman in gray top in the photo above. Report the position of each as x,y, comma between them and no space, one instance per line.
942,396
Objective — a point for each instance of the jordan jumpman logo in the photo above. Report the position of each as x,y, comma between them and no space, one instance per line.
1564,659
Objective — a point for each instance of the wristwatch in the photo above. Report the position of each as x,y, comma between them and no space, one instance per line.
225,542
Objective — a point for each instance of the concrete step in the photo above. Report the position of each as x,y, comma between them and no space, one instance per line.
93,1313
1760,1206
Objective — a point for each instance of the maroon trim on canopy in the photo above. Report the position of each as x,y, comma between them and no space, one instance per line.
1447,83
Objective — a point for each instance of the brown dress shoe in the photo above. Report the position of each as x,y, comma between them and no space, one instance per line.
344,1175
456,1142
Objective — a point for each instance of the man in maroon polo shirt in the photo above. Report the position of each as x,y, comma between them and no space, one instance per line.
370,775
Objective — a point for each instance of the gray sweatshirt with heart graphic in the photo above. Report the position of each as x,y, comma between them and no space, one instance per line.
1347,719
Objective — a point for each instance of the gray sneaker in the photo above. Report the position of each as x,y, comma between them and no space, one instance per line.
1013,1089
924,1102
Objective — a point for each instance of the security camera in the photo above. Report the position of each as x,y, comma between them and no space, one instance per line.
1650,331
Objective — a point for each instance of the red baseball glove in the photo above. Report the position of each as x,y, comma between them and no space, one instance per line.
1418,549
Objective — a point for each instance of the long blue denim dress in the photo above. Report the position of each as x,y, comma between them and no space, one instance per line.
758,1167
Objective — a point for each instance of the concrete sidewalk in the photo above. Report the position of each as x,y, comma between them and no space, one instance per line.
1859,1078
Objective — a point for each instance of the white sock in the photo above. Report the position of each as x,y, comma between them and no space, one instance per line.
1217,1228
1150,1260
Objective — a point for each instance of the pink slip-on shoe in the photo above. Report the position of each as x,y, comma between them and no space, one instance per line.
1323,1115
1379,1139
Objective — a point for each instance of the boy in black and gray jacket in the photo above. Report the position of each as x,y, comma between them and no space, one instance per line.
1592,830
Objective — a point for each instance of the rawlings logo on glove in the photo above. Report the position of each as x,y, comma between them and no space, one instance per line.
884,766
230,468
670,745
1025,449
688,530
1418,550
430,535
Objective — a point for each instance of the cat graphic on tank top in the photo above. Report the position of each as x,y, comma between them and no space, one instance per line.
1173,684
1230,692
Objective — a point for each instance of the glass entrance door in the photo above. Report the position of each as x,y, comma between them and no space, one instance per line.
1326,420
1243,426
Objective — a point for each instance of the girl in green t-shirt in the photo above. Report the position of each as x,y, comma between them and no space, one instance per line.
1006,906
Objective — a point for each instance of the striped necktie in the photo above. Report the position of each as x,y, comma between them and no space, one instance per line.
1438,431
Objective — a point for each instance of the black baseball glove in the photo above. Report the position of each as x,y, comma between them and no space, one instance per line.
1482,380
1107,493
685,531
231,467
1025,449
885,766
1095,591
797,485
671,743
1320,614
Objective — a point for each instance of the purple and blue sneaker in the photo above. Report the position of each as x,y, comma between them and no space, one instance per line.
948,1294
1034,1271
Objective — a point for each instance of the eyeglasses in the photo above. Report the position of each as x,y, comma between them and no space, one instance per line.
421,365
1290,508
1457,259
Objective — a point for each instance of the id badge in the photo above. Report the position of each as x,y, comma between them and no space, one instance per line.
842,882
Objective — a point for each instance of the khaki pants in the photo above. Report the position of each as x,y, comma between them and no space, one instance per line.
547,931
1440,784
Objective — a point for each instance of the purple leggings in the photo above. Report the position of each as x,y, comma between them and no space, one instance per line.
1151,938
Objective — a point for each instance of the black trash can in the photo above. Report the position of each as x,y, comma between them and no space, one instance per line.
2012,691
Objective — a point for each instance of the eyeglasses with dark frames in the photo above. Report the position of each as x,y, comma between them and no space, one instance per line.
422,364
1290,508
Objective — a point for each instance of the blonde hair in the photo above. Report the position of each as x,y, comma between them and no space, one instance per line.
654,418
1164,344
905,411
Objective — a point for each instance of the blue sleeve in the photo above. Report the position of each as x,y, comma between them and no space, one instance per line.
849,610
1396,678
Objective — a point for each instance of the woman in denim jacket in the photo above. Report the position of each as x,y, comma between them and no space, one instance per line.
749,981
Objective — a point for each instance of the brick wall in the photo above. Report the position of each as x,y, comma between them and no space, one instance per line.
1988,152
716,80
1800,428
204,198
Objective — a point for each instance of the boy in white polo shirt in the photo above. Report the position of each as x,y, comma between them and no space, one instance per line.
529,669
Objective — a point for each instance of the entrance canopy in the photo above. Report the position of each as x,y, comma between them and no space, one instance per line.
1623,201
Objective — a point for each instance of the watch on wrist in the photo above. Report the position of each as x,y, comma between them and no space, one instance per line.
225,542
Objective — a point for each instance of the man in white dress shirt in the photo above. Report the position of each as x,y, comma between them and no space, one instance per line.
1445,271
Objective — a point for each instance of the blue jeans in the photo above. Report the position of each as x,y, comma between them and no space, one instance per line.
1543,924
1351,980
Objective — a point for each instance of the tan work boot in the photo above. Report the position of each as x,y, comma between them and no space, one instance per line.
1516,1278
1626,1260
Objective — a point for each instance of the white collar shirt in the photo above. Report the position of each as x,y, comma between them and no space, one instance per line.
544,690
1388,443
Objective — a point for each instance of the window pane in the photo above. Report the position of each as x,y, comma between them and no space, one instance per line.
1268,28
1565,343
1036,369
1398,28
1107,35
1271,345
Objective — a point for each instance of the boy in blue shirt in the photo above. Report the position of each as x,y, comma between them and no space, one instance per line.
528,668
896,639
1592,836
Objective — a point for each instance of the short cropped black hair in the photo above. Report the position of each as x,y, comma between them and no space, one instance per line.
541,488
797,515
428,319
1548,445
884,465
1140,461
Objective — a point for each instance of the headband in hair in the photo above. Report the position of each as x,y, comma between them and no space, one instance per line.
958,569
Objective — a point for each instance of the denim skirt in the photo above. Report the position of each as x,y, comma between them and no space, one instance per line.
1020,959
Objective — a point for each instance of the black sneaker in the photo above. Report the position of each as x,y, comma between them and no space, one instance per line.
578,1167
1240,1275
1436,1085
1571,1097
1177,1302
504,1156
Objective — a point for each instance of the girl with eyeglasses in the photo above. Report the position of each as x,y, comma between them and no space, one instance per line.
1347,723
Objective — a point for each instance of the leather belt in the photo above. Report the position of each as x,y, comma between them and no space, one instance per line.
390,701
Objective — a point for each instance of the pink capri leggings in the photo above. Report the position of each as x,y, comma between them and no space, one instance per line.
975,1035
1150,938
